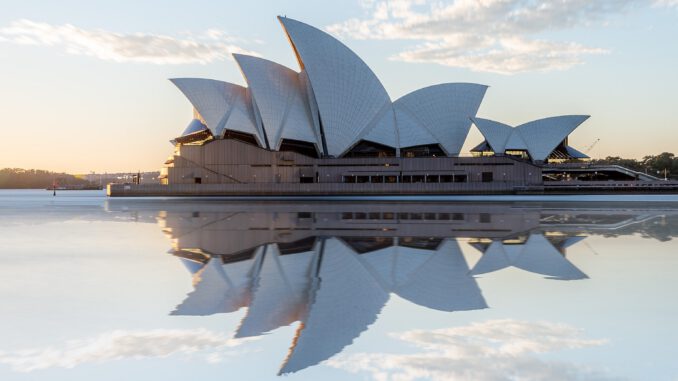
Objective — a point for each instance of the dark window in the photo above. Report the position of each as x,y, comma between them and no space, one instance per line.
304,215
363,179
241,136
370,149
432,178
403,216
415,216
305,179
418,179
391,179
199,136
300,246
460,178
198,180
377,179
388,216
360,216
349,179
367,244
239,256
457,216
429,216
446,178
487,177
425,243
374,216
431,150
443,216
406,179
346,216
303,148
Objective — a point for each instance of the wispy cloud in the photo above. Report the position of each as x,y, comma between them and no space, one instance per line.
491,350
212,45
117,345
499,36
666,3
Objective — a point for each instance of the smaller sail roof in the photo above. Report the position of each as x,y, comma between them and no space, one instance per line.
538,137
281,100
194,126
536,255
496,134
222,105
440,111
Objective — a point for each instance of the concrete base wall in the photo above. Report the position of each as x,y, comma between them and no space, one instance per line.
311,189
232,162
341,189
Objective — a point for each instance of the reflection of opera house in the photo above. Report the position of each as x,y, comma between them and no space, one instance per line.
331,128
332,268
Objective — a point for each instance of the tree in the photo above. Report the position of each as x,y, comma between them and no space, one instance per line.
651,164
17,178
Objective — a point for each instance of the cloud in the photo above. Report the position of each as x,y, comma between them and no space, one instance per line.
491,350
118,345
212,45
505,56
498,36
666,3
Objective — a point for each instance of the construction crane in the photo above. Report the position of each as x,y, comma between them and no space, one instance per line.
590,147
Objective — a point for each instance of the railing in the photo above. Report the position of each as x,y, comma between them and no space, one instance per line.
613,184
602,167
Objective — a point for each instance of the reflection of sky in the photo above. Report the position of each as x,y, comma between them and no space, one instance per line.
88,291
488,350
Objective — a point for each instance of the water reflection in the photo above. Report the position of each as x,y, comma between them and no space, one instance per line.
488,350
370,290
332,268
535,253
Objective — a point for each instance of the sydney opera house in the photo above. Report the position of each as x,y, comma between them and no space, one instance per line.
331,128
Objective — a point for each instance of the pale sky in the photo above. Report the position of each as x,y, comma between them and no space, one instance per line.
84,83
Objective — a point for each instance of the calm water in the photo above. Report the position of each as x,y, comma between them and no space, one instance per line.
112,289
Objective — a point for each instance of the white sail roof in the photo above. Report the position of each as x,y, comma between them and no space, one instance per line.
539,137
280,292
441,111
223,105
345,285
497,134
219,288
349,95
536,255
281,99
543,136
443,282
385,129
392,265
194,126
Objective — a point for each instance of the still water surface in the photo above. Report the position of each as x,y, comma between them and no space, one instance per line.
111,289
